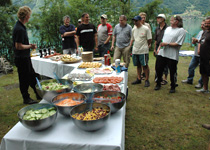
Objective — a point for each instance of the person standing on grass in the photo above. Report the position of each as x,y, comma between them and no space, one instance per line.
22,48
87,35
195,61
204,51
67,33
142,38
168,51
159,32
122,34
104,36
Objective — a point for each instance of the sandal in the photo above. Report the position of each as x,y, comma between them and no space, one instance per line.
164,82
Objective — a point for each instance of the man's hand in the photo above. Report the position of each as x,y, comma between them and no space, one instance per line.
96,49
33,46
112,48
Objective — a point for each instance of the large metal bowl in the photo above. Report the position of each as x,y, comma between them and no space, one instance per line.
92,125
88,89
49,95
37,124
114,105
65,110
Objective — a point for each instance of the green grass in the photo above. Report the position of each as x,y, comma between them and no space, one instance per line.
155,120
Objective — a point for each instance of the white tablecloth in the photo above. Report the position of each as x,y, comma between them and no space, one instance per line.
64,135
46,67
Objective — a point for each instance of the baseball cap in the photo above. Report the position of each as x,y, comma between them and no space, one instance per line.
161,16
137,18
79,20
104,16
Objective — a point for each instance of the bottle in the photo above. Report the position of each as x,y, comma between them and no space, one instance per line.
108,58
117,65
79,51
105,59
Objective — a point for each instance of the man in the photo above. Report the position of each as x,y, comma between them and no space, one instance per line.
22,48
195,60
203,50
168,51
142,38
67,33
87,35
104,36
159,32
122,35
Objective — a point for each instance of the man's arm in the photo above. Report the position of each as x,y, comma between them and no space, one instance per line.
20,46
107,40
199,46
169,44
96,41
113,40
131,43
149,42
72,33
155,47
77,41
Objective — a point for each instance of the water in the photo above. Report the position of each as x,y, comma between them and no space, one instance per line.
192,26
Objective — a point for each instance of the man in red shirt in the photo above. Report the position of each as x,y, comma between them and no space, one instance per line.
104,36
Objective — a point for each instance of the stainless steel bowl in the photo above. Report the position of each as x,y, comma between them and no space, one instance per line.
88,89
93,124
115,106
49,95
37,124
65,110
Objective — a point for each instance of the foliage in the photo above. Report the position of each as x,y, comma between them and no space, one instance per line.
45,24
7,22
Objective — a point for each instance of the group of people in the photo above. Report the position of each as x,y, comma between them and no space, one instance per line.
168,41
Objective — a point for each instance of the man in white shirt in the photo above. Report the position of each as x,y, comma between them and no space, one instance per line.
142,38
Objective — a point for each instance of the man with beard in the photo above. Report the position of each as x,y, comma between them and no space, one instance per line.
168,51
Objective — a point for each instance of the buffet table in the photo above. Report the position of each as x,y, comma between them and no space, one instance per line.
64,135
46,67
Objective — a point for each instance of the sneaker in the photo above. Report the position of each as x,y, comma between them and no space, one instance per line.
172,90
136,82
157,87
164,82
198,86
202,91
147,84
186,81
206,126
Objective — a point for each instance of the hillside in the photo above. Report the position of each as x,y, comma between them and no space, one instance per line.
176,6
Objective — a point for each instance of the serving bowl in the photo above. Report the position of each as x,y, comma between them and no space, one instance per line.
65,108
114,99
90,125
37,125
48,95
88,89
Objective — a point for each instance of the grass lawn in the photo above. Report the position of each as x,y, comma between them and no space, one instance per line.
155,120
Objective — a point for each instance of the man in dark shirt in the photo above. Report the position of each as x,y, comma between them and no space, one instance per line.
87,35
22,47
159,32
67,33
204,51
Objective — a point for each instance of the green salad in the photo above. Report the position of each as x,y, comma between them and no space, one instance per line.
39,113
53,86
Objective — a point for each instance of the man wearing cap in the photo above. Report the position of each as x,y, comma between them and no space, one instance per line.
104,35
168,51
87,35
122,34
67,33
143,16
159,31
142,38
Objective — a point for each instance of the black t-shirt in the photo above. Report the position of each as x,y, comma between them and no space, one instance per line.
20,35
205,46
159,34
68,41
86,34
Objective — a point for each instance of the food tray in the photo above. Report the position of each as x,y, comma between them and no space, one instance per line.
78,60
113,87
98,58
108,79
99,71
85,65
79,77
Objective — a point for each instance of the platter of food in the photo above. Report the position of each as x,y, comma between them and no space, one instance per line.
98,58
99,70
70,59
79,76
108,80
56,58
90,65
112,87
49,56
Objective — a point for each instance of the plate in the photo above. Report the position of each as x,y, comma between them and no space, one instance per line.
108,79
99,70
78,60
79,77
98,58
85,65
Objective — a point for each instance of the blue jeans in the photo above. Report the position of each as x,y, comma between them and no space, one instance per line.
102,49
191,70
